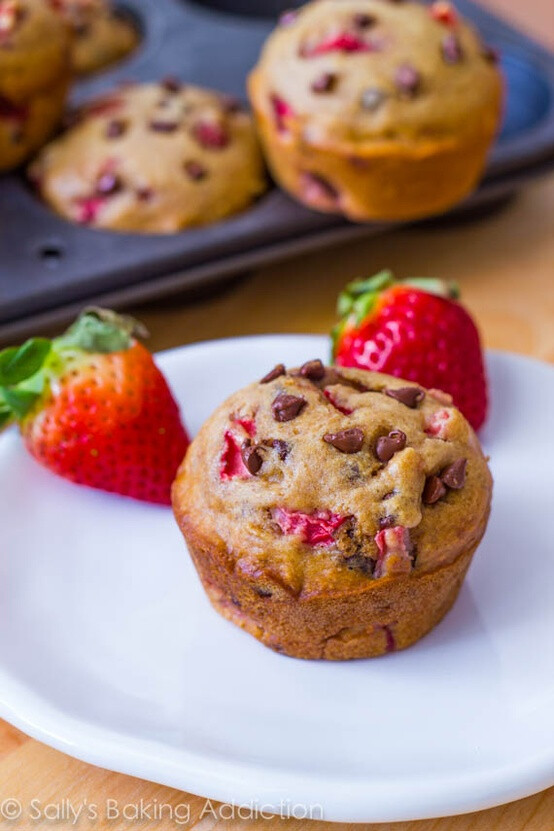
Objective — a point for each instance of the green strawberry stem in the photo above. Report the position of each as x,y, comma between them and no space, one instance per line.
357,301
23,369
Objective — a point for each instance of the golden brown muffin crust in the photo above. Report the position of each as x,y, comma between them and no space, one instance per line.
153,158
419,77
376,110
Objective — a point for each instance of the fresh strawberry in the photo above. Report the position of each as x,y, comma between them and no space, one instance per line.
94,408
413,329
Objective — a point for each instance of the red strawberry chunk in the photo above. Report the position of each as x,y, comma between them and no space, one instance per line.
282,110
10,12
395,552
444,12
436,425
341,42
248,425
211,135
12,112
88,209
314,529
331,398
390,641
232,465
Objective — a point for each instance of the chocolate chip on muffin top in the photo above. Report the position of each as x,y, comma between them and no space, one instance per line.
342,475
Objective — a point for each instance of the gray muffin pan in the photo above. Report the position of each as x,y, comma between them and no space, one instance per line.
49,268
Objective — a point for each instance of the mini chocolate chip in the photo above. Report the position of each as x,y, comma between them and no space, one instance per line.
372,98
251,457
314,370
230,104
361,562
263,592
115,128
410,396
347,441
364,21
108,183
81,29
387,446
325,82
163,126
387,521
454,476
280,446
452,51
195,170
286,407
407,79
274,373
145,194
171,84
490,54
433,490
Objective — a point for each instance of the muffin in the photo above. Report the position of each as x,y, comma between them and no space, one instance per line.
102,36
333,513
34,77
376,110
153,158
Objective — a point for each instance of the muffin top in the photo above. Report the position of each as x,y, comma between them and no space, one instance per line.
323,479
34,47
153,157
101,34
354,70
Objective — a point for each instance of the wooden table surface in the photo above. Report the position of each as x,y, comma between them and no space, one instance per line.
504,264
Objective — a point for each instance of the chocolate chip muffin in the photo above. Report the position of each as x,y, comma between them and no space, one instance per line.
153,158
333,513
102,36
34,76
376,109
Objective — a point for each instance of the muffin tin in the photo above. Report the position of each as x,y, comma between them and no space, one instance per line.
50,268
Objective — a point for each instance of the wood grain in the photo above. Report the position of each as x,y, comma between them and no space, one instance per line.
504,264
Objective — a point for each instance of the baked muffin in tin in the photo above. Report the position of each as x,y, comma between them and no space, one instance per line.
35,71
333,513
155,157
376,109
101,35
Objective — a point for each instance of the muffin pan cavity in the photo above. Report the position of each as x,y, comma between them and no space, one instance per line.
49,267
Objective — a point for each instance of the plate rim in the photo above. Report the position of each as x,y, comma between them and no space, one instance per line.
235,782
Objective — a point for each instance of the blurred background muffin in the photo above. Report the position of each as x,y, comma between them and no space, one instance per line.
102,35
376,110
34,76
155,157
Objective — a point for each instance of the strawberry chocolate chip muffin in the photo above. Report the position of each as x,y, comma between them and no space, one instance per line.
34,76
102,35
333,513
376,109
155,157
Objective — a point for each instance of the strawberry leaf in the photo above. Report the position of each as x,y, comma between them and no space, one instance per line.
433,285
6,416
17,364
383,279
17,402
91,334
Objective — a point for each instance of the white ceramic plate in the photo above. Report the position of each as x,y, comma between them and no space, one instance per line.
110,651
